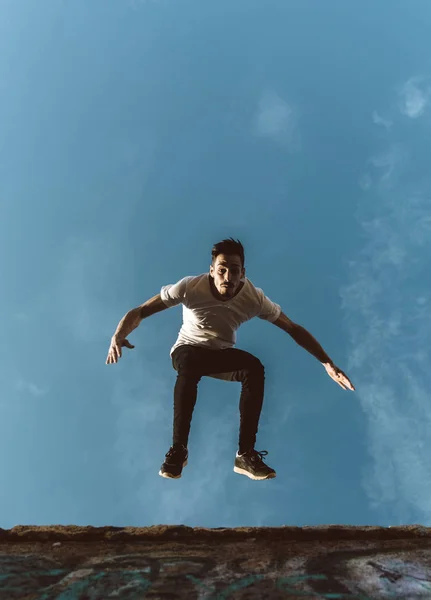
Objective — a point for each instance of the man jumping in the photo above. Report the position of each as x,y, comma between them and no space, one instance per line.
215,304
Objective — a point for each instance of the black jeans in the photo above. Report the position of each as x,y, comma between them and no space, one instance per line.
231,364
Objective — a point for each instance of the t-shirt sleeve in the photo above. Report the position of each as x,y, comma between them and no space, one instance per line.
174,294
269,310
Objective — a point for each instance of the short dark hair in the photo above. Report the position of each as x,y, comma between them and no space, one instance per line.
230,247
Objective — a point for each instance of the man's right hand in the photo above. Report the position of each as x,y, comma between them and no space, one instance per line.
114,352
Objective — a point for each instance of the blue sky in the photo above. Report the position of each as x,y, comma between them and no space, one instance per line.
135,134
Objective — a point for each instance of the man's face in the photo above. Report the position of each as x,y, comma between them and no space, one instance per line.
227,273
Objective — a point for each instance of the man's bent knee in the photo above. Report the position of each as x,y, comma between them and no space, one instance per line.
255,367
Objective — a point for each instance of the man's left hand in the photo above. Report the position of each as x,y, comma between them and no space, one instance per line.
339,377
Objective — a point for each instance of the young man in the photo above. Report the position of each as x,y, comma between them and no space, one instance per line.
215,304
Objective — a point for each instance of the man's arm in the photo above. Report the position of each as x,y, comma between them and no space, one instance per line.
130,322
303,338
309,343
134,317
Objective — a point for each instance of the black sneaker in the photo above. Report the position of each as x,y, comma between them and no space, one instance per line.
252,465
176,459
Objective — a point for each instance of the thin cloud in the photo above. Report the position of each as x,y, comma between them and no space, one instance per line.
31,388
365,182
414,98
387,305
275,119
378,120
390,164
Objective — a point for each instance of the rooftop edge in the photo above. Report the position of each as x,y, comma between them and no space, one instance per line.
154,533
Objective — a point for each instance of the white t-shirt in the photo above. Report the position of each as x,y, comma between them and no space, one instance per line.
210,322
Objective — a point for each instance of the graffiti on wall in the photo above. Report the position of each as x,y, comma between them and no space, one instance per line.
355,575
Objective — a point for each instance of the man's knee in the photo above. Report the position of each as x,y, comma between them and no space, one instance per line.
255,367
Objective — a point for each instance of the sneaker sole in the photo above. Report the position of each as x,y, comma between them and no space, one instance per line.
169,476
254,477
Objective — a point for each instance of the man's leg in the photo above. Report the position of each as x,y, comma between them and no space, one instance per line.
194,362
252,379
251,374
185,360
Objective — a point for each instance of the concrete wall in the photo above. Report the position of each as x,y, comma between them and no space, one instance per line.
71,563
